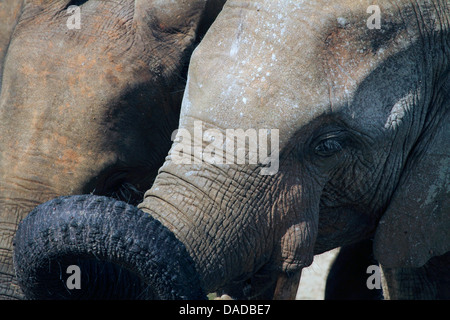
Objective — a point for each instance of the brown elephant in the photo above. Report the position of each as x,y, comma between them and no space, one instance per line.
354,99
88,105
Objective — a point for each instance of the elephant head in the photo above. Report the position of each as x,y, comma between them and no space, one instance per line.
91,92
356,115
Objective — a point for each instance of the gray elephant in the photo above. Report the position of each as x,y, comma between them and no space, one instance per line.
349,104
348,276
89,99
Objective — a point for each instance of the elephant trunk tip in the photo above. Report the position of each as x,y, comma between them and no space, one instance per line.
92,247
84,279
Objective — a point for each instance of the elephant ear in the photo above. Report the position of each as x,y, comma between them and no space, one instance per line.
416,224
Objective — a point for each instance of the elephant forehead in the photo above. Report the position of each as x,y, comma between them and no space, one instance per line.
249,71
280,64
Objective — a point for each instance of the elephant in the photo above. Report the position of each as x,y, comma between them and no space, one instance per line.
340,110
9,13
348,276
88,108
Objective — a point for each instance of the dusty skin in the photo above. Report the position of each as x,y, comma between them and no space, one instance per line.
363,155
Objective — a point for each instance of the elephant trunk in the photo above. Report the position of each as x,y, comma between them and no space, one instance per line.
223,217
120,251
179,243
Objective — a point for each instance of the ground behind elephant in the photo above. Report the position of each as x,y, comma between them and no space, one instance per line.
312,283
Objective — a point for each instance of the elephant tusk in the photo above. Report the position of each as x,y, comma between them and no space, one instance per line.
287,286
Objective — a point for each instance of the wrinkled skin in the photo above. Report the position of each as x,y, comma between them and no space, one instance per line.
88,110
363,118
9,14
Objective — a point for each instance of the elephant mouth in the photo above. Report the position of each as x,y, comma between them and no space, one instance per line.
94,247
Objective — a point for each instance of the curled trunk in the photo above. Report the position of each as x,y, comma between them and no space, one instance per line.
121,251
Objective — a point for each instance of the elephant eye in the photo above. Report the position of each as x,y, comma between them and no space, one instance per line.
328,147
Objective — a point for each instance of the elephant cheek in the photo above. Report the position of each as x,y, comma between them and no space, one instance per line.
297,246
298,211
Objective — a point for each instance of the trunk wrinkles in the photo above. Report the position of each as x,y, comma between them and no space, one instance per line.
218,234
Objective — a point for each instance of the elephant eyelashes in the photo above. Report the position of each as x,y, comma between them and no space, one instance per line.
328,147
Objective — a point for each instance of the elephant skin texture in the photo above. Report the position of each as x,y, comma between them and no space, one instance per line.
361,112
88,108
